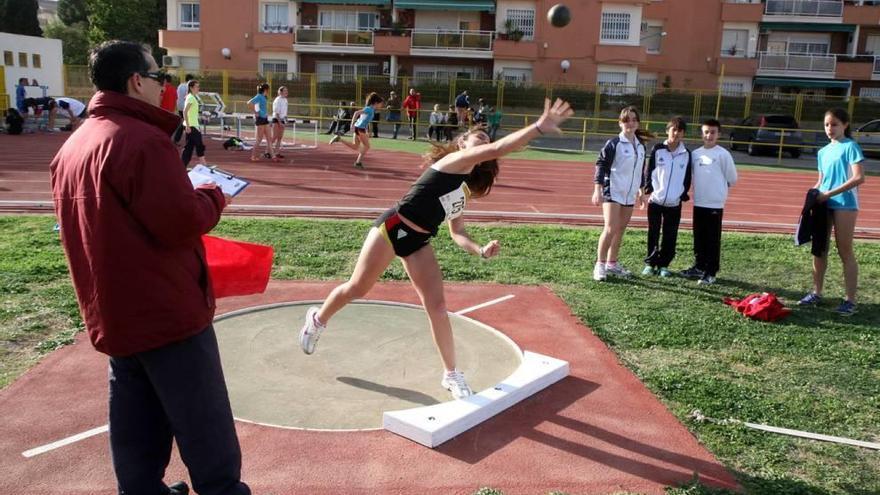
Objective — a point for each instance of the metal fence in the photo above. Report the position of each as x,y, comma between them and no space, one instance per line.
597,107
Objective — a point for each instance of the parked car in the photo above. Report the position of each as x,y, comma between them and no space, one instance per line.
763,133
868,137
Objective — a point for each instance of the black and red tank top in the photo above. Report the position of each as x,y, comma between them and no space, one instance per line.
434,198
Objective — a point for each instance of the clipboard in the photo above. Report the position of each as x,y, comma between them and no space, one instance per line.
228,182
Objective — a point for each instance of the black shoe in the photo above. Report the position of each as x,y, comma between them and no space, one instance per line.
359,165
692,273
179,488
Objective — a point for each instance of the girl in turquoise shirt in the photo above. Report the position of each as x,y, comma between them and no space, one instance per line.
361,120
840,174
261,119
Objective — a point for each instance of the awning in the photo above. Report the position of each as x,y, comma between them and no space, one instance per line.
801,83
470,5
378,3
811,27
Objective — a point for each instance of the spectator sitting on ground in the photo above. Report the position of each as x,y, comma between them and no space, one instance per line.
14,122
75,111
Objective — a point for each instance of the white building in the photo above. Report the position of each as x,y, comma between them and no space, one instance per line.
32,57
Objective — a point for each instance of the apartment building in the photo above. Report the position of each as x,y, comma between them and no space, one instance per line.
807,46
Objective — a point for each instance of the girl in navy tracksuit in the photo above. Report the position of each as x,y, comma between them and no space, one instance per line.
617,187
665,185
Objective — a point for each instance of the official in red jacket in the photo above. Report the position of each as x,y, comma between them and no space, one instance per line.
412,104
131,226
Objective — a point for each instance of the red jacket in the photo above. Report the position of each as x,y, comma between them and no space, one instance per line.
412,104
131,226
169,97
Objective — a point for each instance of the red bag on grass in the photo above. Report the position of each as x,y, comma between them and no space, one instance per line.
760,306
237,268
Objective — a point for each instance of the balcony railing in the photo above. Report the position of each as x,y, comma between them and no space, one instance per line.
799,62
876,71
452,40
319,35
810,8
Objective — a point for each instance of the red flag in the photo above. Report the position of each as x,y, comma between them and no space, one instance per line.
237,268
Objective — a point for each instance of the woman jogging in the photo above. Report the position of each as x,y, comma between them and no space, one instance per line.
362,118
457,172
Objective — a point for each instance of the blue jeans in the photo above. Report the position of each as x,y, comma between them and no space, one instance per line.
173,392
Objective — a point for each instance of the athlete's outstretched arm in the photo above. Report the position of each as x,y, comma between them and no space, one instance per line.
463,161
460,236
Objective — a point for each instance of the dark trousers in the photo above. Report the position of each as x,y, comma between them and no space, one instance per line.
413,126
662,220
333,126
173,392
179,131
193,142
375,127
707,239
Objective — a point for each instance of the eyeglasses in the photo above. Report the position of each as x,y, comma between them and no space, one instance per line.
158,76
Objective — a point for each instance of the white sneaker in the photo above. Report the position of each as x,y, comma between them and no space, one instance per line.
599,272
311,331
618,270
706,280
454,382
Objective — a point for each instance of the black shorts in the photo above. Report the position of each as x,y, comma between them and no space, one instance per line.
262,121
618,203
360,130
403,238
276,120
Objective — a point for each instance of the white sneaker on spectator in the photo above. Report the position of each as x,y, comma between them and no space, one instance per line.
454,382
311,331
599,273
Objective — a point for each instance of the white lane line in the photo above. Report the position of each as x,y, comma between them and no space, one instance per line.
487,303
65,441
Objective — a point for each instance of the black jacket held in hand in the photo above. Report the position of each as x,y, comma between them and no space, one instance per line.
813,224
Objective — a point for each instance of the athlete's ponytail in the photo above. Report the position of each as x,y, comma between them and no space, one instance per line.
482,178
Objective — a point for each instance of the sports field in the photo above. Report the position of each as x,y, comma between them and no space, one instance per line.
814,371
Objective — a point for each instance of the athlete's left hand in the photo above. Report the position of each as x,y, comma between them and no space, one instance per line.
491,249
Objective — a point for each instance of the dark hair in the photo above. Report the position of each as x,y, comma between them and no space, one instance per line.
262,87
281,88
843,116
641,134
482,176
20,79
677,123
168,78
190,84
112,63
189,77
712,123
374,98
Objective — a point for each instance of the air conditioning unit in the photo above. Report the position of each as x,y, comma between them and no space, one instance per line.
170,61
386,68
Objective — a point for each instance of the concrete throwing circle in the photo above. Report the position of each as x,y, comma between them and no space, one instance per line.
373,357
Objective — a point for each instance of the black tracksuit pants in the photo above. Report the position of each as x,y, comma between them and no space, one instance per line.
707,239
662,220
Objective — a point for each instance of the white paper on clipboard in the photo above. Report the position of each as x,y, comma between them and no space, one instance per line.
228,183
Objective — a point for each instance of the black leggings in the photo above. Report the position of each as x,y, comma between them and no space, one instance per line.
193,140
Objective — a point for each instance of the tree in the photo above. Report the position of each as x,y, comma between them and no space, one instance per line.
131,20
74,41
72,12
20,17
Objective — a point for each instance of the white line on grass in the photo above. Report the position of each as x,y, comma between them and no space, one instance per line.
483,305
65,441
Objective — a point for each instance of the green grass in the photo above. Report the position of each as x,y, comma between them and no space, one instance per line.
419,147
814,371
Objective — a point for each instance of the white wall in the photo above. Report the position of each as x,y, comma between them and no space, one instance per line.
431,19
50,73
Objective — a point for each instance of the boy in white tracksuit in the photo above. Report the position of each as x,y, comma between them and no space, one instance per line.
666,182
713,173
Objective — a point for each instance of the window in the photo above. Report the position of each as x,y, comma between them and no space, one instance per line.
272,65
734,42
22,59
444,73
7,58
190,63
808,48
872,45
612,82
870,93
522,20
615,26
189,16
345,72
733,88
275,17
36,61
647,83
651,36
339,19
516,76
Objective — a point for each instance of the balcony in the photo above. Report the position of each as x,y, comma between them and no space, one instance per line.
804,8
320,39
620,54
854,68
180,39
448,43
796,64
515,50
875,74
387,43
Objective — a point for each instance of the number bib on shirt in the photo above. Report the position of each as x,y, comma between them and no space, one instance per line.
453,202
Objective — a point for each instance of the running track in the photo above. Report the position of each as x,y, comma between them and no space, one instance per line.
323,183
